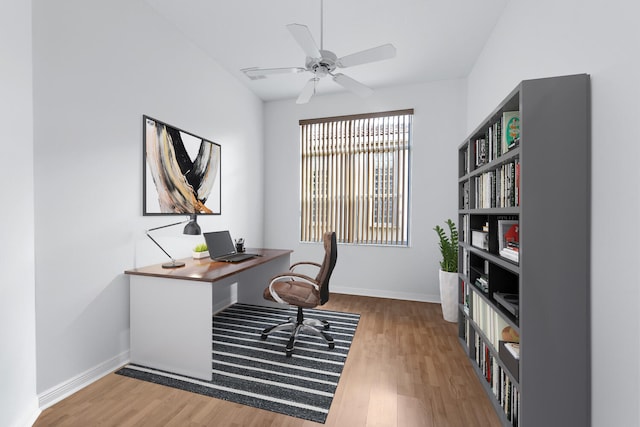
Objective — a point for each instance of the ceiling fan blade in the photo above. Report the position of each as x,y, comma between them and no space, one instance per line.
304,38
386,51
307,91
261,73
352,85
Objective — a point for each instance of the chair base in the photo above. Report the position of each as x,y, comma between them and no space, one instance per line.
298,325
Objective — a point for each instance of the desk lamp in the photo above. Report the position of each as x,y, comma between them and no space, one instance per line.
191,228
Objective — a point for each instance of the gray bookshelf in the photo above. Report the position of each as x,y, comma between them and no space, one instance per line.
542,182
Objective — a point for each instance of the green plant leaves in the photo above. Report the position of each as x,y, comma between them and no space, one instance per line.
448,247
202,247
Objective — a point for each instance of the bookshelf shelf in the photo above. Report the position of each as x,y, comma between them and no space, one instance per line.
493,211
495,259
523,216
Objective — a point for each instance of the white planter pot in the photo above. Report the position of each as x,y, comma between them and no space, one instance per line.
198,255
449,295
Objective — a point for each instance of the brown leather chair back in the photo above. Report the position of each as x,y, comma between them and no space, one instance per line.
330,258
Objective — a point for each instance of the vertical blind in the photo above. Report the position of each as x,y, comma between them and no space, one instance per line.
355,178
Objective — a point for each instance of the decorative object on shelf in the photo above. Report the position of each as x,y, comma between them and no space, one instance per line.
201,251
482,282
480,239
448,275
192,228
510,334
181,171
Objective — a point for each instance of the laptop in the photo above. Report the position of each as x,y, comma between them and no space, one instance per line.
221,247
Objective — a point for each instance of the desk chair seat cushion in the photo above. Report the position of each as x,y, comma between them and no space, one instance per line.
293,292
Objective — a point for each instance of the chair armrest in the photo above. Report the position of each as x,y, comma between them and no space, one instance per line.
292,277
314,264
295,277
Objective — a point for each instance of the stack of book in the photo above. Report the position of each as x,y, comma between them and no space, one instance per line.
509,239
510,253
482,282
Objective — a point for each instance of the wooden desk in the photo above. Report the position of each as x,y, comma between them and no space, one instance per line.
171,309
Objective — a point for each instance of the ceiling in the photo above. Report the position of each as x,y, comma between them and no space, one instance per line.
434,39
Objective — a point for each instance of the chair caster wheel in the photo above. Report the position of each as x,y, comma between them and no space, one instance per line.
331,346
326,326
263,337
290,345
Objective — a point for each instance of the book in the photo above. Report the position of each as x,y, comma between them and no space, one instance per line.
510,129
465,195
508,234
511,236
465,262
510,254
514,349
465,161
482,156
517,183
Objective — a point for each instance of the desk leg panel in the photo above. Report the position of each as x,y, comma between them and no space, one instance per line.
252,282
171,325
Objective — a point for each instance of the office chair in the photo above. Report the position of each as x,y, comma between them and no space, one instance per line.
302,291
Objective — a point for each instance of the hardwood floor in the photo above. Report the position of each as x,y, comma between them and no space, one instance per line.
405,369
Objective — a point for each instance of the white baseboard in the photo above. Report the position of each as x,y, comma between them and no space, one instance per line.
386,294
31,415
67,388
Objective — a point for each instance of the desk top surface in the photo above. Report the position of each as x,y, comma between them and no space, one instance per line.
207,270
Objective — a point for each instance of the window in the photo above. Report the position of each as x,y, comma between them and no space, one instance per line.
355,178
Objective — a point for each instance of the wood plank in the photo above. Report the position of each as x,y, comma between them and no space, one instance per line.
405,369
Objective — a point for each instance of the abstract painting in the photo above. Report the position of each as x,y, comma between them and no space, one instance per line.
181,171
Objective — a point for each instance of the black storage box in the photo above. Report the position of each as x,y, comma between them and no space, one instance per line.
511,363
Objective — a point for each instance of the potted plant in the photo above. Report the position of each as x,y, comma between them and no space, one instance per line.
201,251
448,271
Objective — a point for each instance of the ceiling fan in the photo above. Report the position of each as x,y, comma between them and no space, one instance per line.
322,62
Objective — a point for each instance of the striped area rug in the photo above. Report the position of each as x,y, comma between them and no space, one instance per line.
253,372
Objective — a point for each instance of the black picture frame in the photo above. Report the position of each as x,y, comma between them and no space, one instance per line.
181,171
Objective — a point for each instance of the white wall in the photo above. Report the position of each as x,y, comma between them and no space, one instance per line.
438,128
18,399
551,37
98,67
